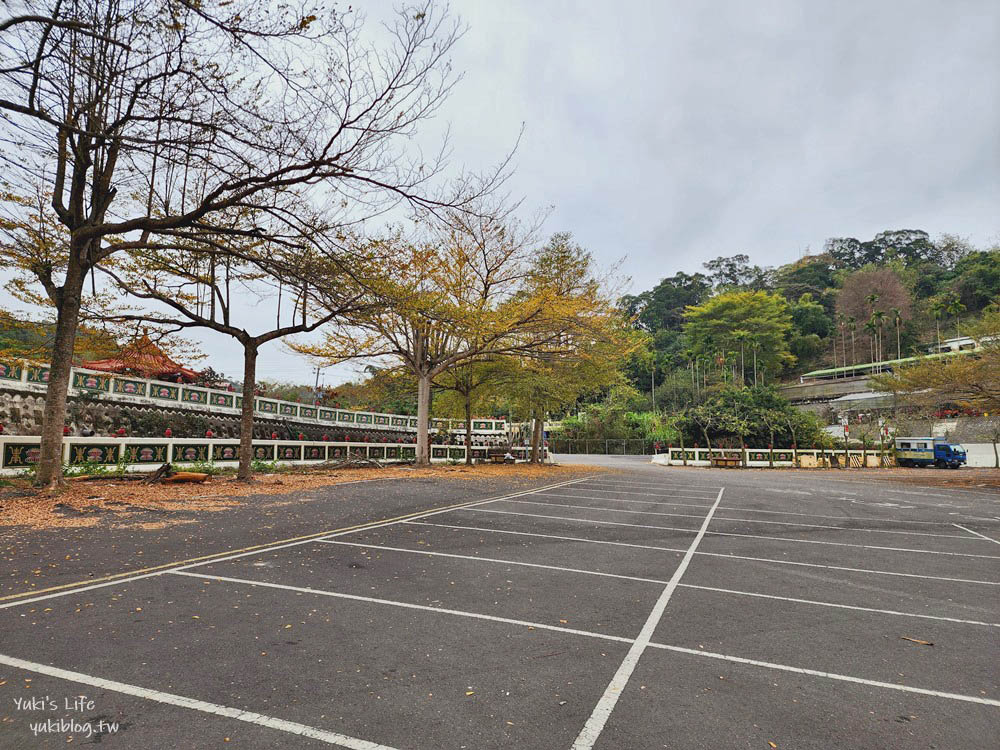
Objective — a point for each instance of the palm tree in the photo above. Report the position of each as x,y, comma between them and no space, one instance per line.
852,326
871,299
938,307
742,337
879,319
954,307
755,346
842,324
692,358
897,320
834,337
870,327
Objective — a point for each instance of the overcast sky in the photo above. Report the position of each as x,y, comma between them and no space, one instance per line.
669,133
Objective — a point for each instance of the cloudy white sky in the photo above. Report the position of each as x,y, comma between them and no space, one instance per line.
668,133
671,132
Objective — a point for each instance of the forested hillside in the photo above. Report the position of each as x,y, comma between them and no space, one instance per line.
857,301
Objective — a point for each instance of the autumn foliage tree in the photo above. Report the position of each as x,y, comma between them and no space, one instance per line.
476,291
591,338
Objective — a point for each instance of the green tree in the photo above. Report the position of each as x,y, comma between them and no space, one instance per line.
811,317
710,327
955,308
662,307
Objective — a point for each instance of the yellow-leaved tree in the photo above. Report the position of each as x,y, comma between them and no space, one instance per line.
474,291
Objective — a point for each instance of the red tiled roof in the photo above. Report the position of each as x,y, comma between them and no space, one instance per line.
145,358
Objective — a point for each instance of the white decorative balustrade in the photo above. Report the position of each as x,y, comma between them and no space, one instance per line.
34,378
19,453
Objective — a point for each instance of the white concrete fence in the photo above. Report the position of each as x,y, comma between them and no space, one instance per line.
33,378
19,453
979,455
778,457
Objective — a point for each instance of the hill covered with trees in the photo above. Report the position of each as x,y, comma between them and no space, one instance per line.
855,302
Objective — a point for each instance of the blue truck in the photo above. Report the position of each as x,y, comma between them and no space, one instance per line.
929,451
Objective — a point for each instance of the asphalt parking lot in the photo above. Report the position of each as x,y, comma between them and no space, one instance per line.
651,608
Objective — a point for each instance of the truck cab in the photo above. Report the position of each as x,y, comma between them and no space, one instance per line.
929,451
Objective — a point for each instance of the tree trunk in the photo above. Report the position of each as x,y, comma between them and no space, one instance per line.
536,437
49,470
423,418
245,471
996,455
684,457
468,429
708,442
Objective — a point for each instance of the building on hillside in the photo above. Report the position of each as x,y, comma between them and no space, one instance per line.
957,344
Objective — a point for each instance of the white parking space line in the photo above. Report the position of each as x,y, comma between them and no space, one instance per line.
867,519
721,555
734,592
886,487
966,537
731,533
827,675
660,485
541,626
981,536
586,488
704,506
836,605
271,548
403,605
602,711
239,714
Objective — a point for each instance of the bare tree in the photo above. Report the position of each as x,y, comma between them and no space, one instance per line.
199,283
868,291
138,119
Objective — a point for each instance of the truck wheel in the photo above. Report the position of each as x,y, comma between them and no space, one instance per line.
940,464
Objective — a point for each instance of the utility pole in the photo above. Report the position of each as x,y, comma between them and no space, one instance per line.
316,386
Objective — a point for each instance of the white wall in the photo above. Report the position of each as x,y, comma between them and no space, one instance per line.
980,454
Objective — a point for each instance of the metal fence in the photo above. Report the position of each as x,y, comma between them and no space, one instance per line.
602,447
